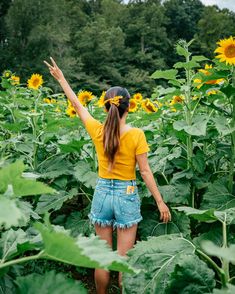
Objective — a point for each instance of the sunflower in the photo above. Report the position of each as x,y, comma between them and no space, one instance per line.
84,97
7,73
226,51
57,109
176,99
100,102
212,92
198,82
71,111
15,80
35,81
148,106
138,97
49,100
133,106
207,73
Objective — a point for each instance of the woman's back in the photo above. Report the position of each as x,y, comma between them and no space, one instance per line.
132,143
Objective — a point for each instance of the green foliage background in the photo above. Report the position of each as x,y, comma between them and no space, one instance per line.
99,43
48,165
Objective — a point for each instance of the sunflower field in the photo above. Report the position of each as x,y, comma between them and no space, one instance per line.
48,172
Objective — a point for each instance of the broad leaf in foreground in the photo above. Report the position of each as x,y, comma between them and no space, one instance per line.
89,252
152,226
10,213
157,258
229,290
50,282
191,275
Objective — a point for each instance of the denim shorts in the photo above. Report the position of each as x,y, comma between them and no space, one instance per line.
112,205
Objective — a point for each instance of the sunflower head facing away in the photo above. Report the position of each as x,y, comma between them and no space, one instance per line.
176,99
138,97
226,50
148,106
84,97
133,106
7,74
71,111
15,80
100,102
35,81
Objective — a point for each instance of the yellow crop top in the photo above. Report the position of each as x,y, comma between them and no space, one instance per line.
132,142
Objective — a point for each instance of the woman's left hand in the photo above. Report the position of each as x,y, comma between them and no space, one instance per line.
54,70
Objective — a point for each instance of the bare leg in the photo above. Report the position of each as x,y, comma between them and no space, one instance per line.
101,275
125,241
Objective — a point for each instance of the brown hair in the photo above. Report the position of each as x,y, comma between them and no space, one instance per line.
111,131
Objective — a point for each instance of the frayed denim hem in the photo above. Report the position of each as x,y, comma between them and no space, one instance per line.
100,222
127,225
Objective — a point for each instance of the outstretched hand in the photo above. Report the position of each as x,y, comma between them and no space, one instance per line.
54,70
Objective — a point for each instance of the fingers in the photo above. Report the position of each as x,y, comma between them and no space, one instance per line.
50,66
165,216
53,61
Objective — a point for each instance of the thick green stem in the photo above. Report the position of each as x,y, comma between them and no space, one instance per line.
188,116
20,260
232,161
219,271
225,263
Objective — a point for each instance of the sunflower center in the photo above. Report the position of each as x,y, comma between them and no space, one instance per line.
230,51
35,82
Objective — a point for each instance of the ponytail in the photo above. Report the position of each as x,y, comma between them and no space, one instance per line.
111,130
111,138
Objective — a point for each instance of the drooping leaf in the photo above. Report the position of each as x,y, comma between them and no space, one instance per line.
197,128
182,51
78,224
191,275
199,162
222,125
201,215
50,282
217,196
72,146
83,251
175,193
157,258
227,215
169,74
54,202
55,167
84,174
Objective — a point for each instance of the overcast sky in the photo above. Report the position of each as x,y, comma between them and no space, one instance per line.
230,4
221,3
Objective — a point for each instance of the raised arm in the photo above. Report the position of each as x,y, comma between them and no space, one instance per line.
58,75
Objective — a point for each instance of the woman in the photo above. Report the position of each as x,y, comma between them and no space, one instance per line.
116,202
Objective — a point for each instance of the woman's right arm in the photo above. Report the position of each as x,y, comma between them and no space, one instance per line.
149,180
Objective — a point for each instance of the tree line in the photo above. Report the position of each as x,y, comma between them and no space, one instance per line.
100,43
